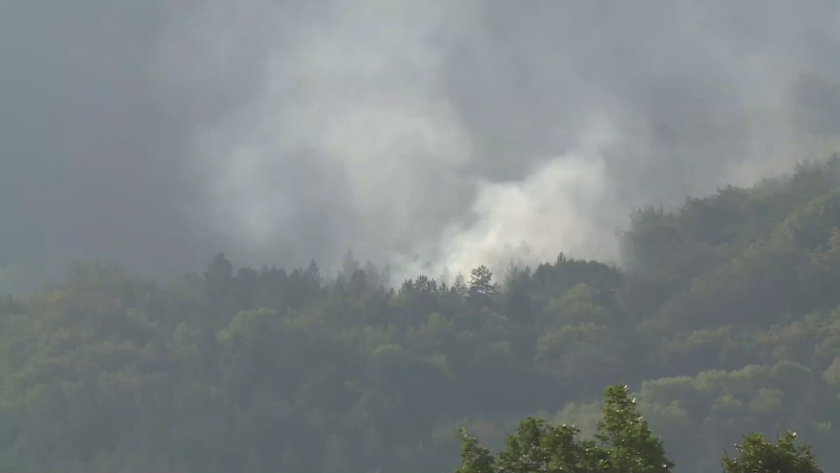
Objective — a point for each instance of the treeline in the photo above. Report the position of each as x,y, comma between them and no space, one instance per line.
726,318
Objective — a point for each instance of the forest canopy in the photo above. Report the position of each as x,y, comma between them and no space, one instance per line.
726,320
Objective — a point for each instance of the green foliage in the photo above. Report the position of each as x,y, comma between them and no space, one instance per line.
632,447
757,455
623,444
725,313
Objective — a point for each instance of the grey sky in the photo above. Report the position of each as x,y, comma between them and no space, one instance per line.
158,133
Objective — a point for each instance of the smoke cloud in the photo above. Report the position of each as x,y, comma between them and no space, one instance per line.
422,134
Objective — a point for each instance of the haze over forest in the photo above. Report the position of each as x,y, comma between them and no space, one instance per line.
417,134
233,231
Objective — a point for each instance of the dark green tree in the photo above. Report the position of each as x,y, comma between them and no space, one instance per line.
757,455
482,288
627,438
624,444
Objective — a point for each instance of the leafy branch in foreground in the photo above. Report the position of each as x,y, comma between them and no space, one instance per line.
624,443
757,455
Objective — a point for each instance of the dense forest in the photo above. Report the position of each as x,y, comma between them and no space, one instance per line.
724,320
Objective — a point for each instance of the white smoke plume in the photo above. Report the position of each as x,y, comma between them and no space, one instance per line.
558,207
450,134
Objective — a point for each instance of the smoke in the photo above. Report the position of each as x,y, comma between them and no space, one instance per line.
422,134
451,134
349,142
562,205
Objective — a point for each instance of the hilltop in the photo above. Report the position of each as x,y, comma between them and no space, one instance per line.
726,318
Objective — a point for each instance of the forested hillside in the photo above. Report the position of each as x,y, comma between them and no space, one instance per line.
726,318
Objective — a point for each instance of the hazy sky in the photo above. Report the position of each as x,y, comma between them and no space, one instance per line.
158,133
